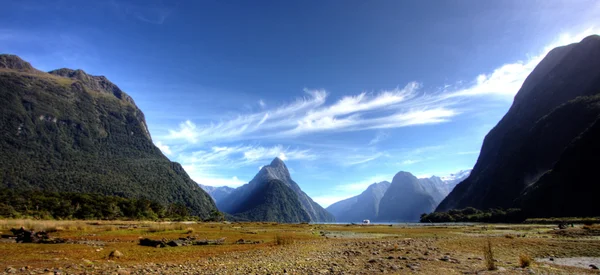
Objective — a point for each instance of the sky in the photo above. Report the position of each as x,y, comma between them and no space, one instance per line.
347,93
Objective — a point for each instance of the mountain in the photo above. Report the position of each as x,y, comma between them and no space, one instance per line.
217,193
240,200
273,201
363,206
405,200
68,131
530,156
453,179
440,187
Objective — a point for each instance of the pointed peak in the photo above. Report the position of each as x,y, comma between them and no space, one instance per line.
277,162
13,62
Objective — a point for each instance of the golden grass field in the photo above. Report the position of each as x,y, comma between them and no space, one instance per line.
297,248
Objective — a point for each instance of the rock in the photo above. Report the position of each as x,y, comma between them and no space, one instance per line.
10,269
123,272
115,254
593,266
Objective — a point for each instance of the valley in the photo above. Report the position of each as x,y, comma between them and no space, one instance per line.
299,248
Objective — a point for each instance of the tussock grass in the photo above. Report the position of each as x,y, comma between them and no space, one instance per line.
488,256
525,260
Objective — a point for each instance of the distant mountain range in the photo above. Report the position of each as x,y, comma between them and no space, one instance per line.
398,205
541,157
68,131
272,195
363,206
217,193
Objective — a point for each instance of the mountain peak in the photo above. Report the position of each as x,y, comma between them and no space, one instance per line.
92,82
403,175
13,62
277,162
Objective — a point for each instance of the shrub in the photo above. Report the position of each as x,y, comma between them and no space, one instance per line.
525,260
488,255
283,240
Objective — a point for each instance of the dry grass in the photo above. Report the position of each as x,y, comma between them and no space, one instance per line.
44,225
525,260
162,227
488,256
284,239
461,241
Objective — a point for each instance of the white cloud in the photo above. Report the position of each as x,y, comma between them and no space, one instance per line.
262,103
202,177
507,79
163,147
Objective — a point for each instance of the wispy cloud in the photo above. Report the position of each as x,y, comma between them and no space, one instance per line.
380,136
243,155
152,12
386,109
360,159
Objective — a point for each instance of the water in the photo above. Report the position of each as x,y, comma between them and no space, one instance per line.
405,224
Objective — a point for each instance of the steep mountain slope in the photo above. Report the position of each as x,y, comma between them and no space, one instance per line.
217,193
273,201
67,131
555,105
363,206
405,200
237,201
569,189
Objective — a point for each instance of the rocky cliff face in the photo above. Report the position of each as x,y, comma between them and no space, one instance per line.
67,131
237,201
556,105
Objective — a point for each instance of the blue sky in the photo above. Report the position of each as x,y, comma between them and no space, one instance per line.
346,92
